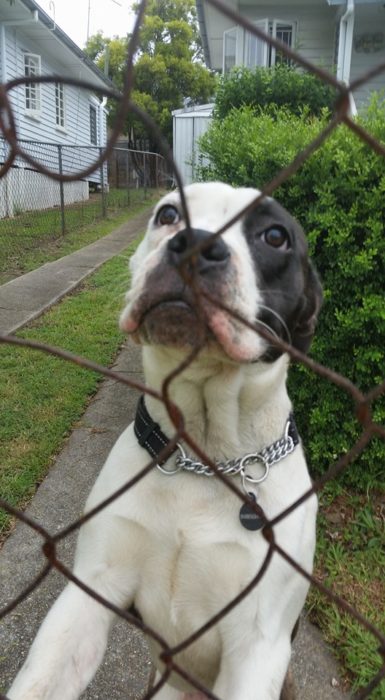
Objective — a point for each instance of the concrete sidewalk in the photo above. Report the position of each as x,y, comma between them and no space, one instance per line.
60,498
26,297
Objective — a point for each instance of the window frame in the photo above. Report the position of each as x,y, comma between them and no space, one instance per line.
255,52
226,36
249,39
93,124
60,111
275,23
32,91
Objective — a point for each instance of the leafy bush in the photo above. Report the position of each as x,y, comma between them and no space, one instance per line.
339,197
282,86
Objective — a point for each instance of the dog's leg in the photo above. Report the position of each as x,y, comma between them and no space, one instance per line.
72,639
288,690
67,650
254,672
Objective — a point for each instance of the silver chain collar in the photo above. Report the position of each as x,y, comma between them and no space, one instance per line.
269,456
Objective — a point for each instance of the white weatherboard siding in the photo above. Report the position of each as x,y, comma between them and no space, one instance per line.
368,21
41,129
17,186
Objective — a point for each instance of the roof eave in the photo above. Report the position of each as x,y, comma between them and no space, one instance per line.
47,21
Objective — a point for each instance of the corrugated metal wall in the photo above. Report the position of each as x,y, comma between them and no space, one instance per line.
188,125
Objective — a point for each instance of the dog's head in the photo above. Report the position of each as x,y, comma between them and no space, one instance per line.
258,270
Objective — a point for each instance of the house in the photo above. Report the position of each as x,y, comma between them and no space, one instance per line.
344,36
61,125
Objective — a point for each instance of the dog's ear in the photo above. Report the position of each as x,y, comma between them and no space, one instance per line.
306,321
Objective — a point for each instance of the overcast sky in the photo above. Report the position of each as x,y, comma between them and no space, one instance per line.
113,17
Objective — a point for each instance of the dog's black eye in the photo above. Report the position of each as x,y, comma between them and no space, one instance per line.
167,215
276,237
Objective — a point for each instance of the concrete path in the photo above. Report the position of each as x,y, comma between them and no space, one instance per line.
60,498
26,297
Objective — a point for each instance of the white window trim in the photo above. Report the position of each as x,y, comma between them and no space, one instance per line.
225,33
247,38
97,135
244,39
34,112
287,23
61,127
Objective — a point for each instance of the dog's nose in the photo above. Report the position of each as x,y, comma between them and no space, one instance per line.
211,254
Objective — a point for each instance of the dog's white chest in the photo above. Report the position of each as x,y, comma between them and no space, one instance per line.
196,557
182,571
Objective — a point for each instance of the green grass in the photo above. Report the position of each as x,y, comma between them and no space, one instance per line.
45,396
33,238
351,561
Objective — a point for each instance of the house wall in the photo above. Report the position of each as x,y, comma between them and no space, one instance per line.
22,188
25,190
368,20
315,28
43,128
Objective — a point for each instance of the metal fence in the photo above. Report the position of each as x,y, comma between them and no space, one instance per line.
27,194
362,402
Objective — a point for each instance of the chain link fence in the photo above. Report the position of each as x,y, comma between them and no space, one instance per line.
362,402
37,211
31,198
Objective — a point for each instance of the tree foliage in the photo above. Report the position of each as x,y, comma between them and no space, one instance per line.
338,196
168,70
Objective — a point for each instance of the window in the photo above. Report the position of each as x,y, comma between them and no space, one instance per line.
59,105
93,126
284,32
229,49
32,67
257,52
255,49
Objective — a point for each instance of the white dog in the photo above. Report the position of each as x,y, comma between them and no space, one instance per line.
179,545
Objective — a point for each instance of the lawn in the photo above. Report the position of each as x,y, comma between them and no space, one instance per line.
45,396
351,562
33,238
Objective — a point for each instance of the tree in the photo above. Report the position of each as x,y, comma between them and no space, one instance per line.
169,70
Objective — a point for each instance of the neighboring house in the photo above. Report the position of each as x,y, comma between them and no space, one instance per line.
344,36
48,115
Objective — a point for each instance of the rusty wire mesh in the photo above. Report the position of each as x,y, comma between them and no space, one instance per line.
362,402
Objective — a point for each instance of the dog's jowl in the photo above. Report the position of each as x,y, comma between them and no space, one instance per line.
181,545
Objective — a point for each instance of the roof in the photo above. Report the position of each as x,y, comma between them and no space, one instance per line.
42,29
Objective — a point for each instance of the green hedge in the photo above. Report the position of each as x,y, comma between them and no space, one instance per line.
282,86
339,198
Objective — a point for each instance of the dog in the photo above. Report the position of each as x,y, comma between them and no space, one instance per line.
178,545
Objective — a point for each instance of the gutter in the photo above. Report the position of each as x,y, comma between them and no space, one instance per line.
345,43
345,50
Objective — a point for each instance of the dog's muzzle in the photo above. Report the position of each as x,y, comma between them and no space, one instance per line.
175,306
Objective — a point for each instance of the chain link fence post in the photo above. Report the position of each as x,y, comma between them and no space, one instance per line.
102,185
61,186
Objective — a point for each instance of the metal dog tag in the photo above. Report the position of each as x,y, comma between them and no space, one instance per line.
249,519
